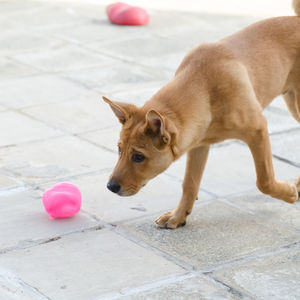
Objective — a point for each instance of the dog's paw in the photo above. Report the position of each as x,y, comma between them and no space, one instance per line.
170,220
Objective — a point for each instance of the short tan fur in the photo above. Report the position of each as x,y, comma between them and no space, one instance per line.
219,92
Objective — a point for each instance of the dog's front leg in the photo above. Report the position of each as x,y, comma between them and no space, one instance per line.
196,160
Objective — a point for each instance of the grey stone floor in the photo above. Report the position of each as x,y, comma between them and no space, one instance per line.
57,59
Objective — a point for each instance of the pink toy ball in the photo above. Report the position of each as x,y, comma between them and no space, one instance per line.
63,200
123,14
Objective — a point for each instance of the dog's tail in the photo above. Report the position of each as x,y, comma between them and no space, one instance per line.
296,6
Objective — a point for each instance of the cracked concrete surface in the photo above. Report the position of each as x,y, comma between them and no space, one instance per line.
57,58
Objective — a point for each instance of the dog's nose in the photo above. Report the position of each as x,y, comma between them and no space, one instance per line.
113,186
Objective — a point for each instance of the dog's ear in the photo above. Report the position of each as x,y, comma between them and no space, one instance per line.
161,129
123,111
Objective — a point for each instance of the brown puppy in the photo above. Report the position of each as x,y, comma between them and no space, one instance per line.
218,93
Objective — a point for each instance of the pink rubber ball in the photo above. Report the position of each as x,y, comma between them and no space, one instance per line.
124,14
63,200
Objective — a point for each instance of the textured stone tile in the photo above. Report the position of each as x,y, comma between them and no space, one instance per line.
215,233
54,159
38,90
140,95
23,220
287,146
159,195
279,120
8,25
192,288
196,36
202,24
86,265
10,70
15,42
66,58
12,288
204,28
96,29
279,103
230,170
24,129
163,22
7,182
274,277
156,52
8,8
2,108
80,115
115,77
48,16
91,10
270,209
107,138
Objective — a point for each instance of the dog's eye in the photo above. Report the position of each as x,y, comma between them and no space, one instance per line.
138,158
119,150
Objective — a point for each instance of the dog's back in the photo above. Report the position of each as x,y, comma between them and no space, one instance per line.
262,48
273,44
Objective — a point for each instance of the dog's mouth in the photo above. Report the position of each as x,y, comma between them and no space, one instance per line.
131,190
144,184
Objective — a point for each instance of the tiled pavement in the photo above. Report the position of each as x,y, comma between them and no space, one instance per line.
56,61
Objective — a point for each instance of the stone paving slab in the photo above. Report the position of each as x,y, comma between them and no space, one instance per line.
115,77
60,59
7,25
14,289
206,28
191,288
86,265
15,42
159,195
279,120
160,22
47,16
7,182
10,69
96,29
141,94
169,51
107,138
9,8
76,116
279,103
230,170
89,10
25,129
24,220
2,108
215,233
168,22
54,159
274,277
287,146
270,209
40,89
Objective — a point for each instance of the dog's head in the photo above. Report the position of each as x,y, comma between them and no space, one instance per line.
147,147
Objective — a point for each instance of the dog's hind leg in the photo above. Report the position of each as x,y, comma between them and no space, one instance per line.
259,144
195,164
